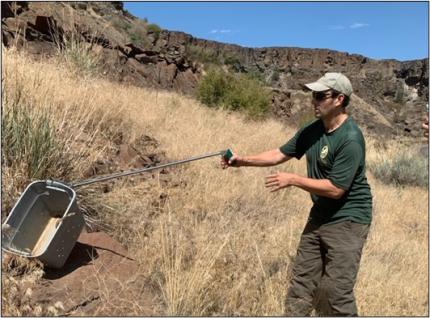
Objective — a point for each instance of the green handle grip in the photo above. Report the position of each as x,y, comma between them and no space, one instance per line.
227,155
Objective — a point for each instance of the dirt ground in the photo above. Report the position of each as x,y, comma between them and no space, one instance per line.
98,279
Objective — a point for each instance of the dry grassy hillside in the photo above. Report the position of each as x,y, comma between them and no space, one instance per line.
208,241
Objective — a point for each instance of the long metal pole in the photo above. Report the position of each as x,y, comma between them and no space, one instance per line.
136,171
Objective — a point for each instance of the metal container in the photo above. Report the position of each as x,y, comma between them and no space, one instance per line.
45,223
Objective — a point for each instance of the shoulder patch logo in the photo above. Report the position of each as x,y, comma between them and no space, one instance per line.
324,152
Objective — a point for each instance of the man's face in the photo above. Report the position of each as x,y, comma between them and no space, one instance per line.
325,103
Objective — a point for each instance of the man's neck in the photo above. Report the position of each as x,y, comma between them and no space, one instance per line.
334,122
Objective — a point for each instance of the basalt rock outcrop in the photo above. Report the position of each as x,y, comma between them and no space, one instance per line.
396,91
40,27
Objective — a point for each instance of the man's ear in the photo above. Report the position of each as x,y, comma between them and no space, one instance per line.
340,98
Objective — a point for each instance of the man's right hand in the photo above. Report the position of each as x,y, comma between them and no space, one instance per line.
233,162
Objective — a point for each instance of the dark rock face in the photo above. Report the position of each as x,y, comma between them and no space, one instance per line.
10,9
397,90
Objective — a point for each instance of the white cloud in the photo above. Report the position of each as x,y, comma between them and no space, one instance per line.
216,31
357,25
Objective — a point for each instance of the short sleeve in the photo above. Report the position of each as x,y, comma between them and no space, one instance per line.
346,164
291,147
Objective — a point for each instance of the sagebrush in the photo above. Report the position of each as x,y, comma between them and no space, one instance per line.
404,168
237,92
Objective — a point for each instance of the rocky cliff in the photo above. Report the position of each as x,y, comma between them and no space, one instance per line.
390,96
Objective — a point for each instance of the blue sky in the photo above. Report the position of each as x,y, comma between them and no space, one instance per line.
379,30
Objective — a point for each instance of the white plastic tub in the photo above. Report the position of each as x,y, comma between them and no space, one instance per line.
45,223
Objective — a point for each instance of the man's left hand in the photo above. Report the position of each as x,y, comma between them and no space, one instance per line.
425,126
279,180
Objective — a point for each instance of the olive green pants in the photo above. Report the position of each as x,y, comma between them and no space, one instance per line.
325,270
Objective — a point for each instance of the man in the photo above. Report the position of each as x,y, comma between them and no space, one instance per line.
329,252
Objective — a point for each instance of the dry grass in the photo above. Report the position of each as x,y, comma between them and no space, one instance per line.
212,241
75,122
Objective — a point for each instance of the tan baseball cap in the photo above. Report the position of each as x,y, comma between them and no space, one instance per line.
336,81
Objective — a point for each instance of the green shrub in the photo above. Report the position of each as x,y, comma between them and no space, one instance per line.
137,33
407,168
236,92
275,75
139,39
202,55
120,24
256,74
231,59
213,88
153,28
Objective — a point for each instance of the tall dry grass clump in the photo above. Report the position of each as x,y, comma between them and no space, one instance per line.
209,241
76,53
53,125
79,55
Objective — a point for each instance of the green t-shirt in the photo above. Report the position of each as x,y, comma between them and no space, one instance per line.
338,156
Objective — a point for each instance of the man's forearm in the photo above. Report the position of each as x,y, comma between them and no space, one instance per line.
321,187
264,159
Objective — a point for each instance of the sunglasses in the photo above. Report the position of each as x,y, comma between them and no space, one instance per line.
320,96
